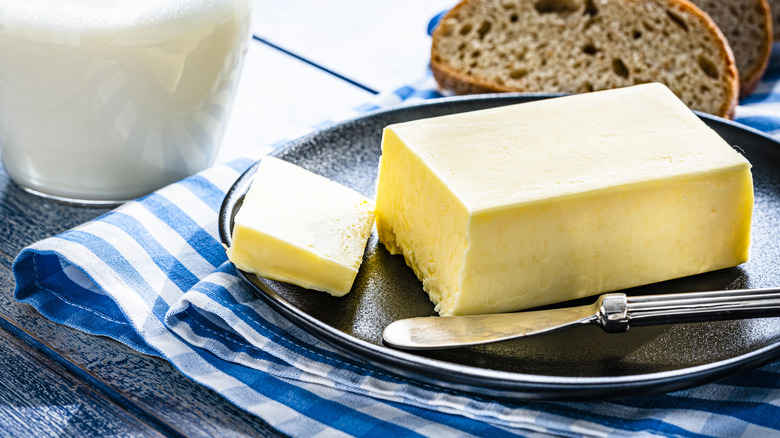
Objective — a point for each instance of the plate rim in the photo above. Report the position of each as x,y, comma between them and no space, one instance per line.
494,383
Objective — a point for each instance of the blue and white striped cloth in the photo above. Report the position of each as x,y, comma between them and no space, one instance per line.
153,275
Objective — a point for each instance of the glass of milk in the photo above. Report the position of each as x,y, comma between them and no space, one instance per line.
102,101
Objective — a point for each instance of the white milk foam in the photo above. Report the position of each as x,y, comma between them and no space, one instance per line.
22,16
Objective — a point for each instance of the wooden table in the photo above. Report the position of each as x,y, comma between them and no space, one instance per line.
309,61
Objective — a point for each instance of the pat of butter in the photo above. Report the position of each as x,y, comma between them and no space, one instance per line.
301,228
526,205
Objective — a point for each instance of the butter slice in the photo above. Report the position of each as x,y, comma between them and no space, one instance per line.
515,207
301,228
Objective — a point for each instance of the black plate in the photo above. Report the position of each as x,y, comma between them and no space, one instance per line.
578,363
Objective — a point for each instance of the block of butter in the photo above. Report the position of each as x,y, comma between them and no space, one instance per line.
526,205
299,227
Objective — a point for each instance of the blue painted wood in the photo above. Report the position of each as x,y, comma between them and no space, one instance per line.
27,218
38,399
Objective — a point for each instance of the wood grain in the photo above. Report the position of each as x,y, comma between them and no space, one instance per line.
38,399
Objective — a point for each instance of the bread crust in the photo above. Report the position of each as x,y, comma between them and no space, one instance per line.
750,40
453,78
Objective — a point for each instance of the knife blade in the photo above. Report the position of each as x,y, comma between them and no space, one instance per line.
614,312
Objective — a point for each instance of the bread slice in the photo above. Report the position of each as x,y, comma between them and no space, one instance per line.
585,45
774,6
747,25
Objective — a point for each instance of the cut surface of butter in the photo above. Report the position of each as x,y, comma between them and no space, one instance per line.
301,228
526,205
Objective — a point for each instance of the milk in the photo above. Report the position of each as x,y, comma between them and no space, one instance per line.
106,100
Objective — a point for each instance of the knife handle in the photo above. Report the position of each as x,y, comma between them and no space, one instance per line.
618,311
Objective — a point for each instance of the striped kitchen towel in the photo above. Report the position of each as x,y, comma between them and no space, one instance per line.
153,275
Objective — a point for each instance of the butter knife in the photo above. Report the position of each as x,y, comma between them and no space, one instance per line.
614,312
